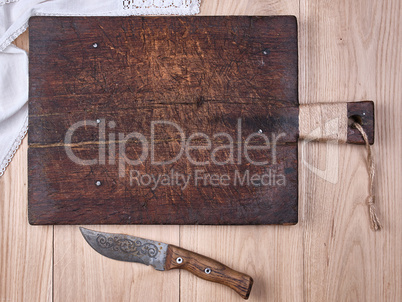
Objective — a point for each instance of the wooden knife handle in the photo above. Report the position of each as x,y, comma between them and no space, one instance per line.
208,269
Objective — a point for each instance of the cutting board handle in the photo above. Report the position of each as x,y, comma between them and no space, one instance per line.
336,122
362,113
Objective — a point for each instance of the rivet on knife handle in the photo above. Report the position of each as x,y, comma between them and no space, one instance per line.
208,269
163,256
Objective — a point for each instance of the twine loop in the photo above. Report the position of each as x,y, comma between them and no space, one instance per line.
329,122
375,223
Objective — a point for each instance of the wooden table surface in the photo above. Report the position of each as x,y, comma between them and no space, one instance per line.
348,51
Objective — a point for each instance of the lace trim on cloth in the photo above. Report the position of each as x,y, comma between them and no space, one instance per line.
2,2
187,7
155,3
17,142
14,36
184,6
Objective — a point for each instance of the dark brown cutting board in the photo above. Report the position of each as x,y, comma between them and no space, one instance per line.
115,76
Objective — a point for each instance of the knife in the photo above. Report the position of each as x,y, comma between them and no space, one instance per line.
164,256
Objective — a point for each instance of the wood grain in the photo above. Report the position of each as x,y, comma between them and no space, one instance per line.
226,76
25,252
271,255
208,269
209,75
350,51
82,274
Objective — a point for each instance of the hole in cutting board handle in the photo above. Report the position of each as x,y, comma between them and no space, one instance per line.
355,119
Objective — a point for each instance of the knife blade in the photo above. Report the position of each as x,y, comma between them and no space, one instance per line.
164,256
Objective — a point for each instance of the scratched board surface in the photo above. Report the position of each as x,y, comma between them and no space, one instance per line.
163,120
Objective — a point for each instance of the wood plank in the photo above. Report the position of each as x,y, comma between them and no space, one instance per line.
81,274
351,51
25,252
209,82
271,255
335,269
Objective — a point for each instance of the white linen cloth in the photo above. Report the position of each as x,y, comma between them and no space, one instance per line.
14,15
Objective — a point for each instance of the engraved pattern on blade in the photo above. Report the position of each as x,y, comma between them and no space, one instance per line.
135,248
127,248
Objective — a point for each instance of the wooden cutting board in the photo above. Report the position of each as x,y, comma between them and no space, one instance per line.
207,105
